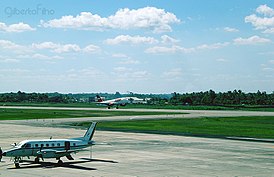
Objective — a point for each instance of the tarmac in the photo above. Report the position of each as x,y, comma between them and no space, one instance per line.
139,154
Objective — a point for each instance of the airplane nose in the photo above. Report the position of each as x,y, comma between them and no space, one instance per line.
1,154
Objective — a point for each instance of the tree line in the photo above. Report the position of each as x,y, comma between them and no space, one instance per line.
236,97
21,97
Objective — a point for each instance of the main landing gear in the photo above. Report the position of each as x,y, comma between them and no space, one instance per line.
60,162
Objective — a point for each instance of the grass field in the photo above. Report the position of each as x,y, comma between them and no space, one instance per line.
253,127
17,114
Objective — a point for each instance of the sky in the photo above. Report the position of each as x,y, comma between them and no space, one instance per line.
155,46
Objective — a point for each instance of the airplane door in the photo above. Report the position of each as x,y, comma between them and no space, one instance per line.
67,145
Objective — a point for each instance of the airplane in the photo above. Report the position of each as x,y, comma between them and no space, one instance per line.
114,102
50,148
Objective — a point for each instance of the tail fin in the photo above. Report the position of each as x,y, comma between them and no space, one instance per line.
89,133
99,99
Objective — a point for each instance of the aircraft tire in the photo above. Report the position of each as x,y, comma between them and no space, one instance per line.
60,162
17,165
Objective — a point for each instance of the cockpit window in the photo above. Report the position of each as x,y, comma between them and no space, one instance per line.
27,145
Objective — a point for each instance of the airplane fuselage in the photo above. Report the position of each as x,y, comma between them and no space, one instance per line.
47,148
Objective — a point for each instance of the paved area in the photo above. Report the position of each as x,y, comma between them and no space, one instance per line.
131,154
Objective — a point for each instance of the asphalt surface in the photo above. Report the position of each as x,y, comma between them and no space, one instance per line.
139,154
130,154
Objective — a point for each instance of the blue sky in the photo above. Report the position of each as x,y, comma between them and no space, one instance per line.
138,46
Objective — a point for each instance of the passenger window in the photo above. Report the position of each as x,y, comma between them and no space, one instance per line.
36,145
74,144
52,144
47,145
28,145
42,145
58,144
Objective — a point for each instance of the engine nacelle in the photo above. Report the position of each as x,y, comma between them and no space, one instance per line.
47,153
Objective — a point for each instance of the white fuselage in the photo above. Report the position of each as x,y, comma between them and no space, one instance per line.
48,148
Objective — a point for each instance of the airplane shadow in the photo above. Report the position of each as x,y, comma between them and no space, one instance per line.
99,160
27,164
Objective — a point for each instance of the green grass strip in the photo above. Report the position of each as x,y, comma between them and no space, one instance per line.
20,114
253,127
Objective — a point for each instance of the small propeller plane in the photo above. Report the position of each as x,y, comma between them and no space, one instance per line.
50,148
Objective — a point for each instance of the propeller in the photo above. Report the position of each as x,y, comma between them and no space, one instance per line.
1,154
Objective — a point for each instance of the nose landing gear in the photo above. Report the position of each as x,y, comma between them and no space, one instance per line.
17,160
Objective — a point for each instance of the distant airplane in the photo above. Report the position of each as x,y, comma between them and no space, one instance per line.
50,148
117,102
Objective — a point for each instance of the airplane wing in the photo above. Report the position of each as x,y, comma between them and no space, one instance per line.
50,153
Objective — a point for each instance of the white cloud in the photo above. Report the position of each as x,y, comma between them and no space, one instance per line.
130,39
265,10
269,30
56,47
91,49
251,40
18,27
213,46
13,47
260,22
168,40
67,48
266,22
61,48
172,49
229,29
40,56
180,49
271,61
143,18
53,47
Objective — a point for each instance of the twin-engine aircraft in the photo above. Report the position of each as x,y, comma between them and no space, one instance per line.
123,101
50,148
114,102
